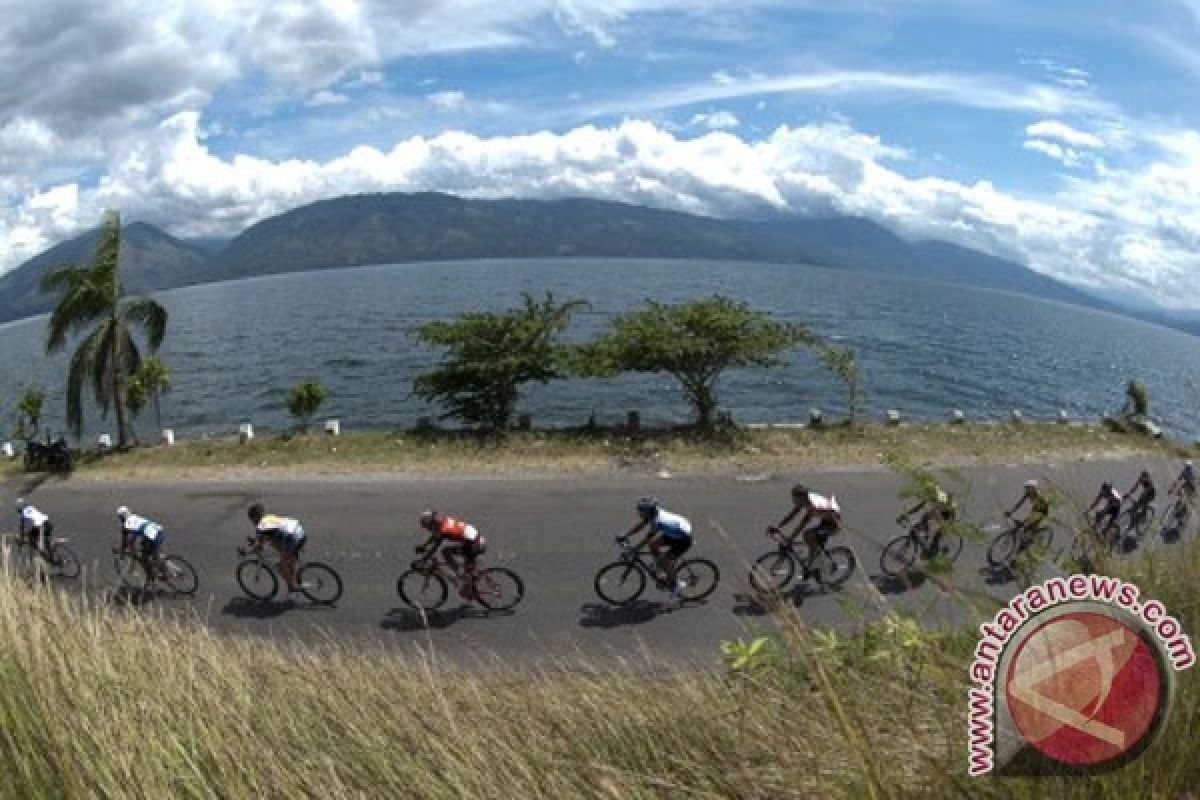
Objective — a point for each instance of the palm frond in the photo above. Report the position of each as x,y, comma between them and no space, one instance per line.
150,316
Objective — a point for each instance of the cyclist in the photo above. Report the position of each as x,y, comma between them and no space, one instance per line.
940,512
145,533
824,510
1185,484
1039,510
667,530
35,527
285,534
1108,502
466,540
1144,486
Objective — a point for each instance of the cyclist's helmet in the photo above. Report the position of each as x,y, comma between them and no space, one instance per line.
1145,476
427,519
256,512
122,512
1187,464
799,494
20,504
647,506
1031,485
1106,486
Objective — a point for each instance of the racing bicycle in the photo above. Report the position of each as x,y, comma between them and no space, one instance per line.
260,579
901,553
425,585
140,573
829,566
623,581
57,559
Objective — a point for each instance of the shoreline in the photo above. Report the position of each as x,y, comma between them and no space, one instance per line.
552,454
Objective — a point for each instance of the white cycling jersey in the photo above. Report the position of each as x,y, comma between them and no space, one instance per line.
673,526
142,527
285,526
822,503
32,518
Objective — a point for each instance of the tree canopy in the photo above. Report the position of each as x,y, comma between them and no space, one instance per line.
490,355
694,342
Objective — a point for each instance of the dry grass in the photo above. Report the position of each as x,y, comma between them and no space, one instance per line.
109,702
558,452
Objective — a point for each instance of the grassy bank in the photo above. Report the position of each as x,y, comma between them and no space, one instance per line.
106,702
575,451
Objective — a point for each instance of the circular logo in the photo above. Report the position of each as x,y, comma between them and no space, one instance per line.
1085,688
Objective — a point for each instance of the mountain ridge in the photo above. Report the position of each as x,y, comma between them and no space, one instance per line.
357,230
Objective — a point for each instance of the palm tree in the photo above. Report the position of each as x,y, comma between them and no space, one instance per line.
108,353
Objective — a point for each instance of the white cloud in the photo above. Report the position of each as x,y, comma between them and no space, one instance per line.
1138,226
715,120
450,100
326,98
1052,129
1066,155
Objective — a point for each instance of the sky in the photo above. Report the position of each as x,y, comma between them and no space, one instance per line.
1063,134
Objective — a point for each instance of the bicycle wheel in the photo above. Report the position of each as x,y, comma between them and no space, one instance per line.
63,561
424,591
950,546
498,588
320,583
698,576
898,556
21,559
180,575
257,579
835,568
620,583
1003,549
772,572
1144,522
130,571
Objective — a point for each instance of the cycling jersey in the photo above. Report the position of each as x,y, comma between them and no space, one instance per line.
457,530
1039,504
671,526
1111,499
32,519
272,525
140,526
1187,479
824,505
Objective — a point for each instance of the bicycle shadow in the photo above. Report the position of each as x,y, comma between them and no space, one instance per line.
602,615
760,604
911,580
125,597
407,620
248,608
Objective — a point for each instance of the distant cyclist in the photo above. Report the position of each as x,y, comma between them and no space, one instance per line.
1185,484
285,534
669,537
823,511
144,534
465,540
1108,505
940,511
35,527
1039,510
1144,487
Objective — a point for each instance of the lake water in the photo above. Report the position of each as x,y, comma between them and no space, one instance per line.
925,348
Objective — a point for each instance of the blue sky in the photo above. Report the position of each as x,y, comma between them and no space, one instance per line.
1064,135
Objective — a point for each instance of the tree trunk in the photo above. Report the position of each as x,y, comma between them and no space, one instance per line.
157,414
117,365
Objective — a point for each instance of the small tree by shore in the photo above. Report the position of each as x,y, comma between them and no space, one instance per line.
695,343
29,407
842,363
490,355
304,399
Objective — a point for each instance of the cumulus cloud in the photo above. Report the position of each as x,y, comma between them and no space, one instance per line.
1066,155
449,100
1138,226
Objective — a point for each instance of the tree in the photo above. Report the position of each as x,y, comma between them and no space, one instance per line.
304,399
153,380
489,355
695,343
108,354
30,408
842,363
1137,401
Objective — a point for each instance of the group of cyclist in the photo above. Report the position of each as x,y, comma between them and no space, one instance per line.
668,535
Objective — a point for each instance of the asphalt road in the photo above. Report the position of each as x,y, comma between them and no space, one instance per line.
555,532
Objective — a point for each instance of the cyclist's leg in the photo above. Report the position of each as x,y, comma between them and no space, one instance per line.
289,550
676,547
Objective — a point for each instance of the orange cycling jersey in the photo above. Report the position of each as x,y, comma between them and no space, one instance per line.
451,528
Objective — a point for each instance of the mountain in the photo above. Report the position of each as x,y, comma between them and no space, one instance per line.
395,228
149,259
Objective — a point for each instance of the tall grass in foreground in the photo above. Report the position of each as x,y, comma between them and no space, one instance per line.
107,702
